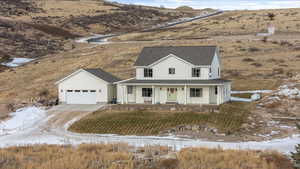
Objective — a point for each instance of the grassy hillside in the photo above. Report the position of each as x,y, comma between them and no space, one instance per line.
234,24
247,63
38,28
126,157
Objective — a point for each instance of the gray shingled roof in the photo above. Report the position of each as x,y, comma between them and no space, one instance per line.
196,55
103,75
210,81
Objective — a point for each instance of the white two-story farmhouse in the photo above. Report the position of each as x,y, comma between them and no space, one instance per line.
176,74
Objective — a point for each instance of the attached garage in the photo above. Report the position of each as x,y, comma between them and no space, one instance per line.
87,86
81,97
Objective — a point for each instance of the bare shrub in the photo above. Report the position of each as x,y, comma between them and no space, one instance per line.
271,16
257,64
265,39
278,71
234,73
44,93
10,107
285,43
297,48
253,49
273,105
248,60
168,164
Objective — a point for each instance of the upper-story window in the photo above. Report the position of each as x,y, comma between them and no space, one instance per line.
219,71
196,72
172,71
148,72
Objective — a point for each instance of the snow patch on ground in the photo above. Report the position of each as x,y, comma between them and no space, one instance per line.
29,126
21,119
289,90
239,99
85,39
251,91
95,39
17,62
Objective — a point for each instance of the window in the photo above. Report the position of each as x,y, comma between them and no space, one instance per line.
172,71
195,92
216,90
218,71
147,92
148,72
196,72
85,91
129,89
77,91
70,91
61,91
92,91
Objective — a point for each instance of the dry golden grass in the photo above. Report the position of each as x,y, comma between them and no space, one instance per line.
66,8
124,157
201,158
230,23
23,84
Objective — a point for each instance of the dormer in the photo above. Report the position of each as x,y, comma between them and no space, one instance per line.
178,62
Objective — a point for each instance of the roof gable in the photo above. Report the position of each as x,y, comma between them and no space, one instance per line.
169,56
196,55
98,73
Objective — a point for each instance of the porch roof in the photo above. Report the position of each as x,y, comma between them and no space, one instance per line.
178,82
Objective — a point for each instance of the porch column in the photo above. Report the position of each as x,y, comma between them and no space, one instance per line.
219,95
153,94
185,94
126,94
123,94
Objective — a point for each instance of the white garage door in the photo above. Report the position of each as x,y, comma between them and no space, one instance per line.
81,96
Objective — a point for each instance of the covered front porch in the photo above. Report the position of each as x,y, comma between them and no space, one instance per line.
171,94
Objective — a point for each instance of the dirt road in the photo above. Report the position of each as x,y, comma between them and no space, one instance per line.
53,130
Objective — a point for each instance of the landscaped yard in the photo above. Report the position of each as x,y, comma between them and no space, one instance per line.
229,119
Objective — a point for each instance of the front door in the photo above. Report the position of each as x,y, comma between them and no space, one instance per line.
172,94
213,94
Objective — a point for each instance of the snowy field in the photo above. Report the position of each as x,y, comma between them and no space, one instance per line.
29,126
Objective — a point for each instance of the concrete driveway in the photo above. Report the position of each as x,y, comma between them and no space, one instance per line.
76,108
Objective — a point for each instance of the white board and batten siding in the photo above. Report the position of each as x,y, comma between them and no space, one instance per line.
85,88
183,69
160,94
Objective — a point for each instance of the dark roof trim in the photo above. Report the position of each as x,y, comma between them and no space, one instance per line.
200,82
103,75
196,55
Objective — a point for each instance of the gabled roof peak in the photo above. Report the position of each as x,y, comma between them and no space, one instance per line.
196,55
